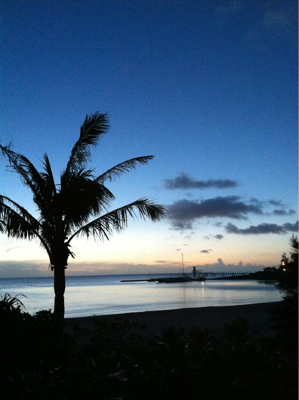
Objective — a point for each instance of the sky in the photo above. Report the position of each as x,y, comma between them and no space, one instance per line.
207,87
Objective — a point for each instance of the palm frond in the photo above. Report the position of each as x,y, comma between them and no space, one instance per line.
18,222
293,242
2,227
10,303
82,197
29,175
117,220
122,168
93,126
48,177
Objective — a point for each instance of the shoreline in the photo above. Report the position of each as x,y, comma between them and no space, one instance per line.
212,318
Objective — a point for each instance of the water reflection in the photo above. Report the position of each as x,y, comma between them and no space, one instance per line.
150,296
103,296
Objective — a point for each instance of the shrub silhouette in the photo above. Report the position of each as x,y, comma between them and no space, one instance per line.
110,361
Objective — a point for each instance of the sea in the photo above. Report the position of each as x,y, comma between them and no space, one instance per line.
107,294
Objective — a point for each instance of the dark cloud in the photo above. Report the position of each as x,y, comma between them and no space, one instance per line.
291,227
205,251
183,212
183,181
284,212
262,229
181,226
281,208
255,230
276,203
218,237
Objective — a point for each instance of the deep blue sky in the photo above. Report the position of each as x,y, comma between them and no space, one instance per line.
208,87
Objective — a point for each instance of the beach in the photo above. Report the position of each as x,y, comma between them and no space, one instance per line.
212,318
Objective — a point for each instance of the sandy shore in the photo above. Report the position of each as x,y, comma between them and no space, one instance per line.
212,318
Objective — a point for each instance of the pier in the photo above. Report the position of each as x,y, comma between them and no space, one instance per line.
208,274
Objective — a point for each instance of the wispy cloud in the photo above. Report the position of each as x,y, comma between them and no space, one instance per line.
184,181
280,20
183,213
262,229
16,248
277,22
228,8
268,21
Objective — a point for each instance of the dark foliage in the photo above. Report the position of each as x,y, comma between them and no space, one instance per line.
284,315
112,362
284,321
288,278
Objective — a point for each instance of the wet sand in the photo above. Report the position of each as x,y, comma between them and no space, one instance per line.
212,318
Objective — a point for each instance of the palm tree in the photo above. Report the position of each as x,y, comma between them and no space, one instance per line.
78,205
293,242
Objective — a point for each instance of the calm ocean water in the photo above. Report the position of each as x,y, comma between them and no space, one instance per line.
104,295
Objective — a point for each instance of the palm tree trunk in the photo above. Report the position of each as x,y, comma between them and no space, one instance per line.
59,288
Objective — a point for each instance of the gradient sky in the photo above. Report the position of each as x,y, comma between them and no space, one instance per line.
207,87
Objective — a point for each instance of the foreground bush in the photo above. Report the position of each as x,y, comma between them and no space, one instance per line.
111,362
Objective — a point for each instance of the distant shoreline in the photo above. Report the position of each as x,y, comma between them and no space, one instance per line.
212,318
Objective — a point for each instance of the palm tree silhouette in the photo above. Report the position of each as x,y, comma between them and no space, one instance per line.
294,245
78,205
